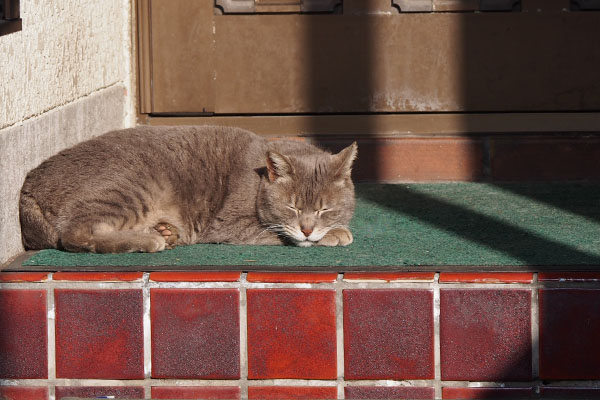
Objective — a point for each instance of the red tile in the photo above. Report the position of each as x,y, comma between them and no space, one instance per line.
292,392
23,276
388,392
486,393
486,277
193,276
291,277
388,334
528,159
485,334
570,393
291,334
195,333
98,276
99,334
196,392
410,159
568,276
569,327
24,335
92,392
23,393
389,276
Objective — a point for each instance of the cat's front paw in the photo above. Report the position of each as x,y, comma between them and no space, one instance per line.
336,237
169,233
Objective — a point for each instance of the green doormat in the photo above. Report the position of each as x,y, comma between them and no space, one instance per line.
419,224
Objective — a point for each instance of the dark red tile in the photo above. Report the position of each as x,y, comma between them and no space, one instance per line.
24,334
389,276
569,332
485,334
195,333
486,277
194,276
23,276
291,334
291,277
569,393
91,392
196,392
98,276
99,334
528,159
388,334
292,392
569,276
23,393
388,392
486,393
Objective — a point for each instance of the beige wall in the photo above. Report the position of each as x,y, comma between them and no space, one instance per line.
65,77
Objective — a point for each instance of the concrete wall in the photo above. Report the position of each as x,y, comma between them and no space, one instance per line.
66,77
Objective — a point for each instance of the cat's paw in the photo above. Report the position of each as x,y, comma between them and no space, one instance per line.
169,233
336,237
153,245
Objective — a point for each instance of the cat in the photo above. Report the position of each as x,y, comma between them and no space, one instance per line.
146,189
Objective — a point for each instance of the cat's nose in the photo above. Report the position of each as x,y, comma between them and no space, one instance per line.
306,231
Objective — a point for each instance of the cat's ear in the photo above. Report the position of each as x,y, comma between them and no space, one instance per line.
342,162
278,166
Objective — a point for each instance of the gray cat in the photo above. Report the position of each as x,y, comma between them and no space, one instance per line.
149,188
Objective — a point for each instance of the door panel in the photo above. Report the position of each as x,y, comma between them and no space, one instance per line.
182,56
370,61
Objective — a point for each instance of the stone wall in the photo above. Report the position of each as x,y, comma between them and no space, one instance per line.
66,77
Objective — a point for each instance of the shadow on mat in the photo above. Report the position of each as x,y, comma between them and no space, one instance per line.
476,227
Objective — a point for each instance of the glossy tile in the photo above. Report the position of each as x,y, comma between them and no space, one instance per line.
569,332
291,334
291,277
466,393
389,276
99,334
23,276
24,333
196,392
388,392
195,333
486,277
485,334
23,393
94,392
291,392
388,334
98,276
194,276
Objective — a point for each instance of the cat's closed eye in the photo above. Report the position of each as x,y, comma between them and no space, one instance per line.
294,209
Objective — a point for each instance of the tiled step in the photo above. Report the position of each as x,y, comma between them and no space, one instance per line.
299,335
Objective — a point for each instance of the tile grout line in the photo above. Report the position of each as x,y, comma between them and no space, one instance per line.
437,382
243,309
51,340
147,336
535,333
339,321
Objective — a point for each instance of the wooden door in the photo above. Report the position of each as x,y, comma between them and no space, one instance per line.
374,58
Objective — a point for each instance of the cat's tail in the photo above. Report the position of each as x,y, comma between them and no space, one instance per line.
36,231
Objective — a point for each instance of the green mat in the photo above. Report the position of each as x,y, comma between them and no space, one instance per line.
419,224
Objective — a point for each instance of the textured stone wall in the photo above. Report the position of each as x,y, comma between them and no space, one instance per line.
66,77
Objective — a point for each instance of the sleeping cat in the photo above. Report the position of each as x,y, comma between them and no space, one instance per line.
147,189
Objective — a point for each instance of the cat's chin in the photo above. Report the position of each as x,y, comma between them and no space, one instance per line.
305,243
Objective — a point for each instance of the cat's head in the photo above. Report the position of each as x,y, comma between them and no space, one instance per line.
302,197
